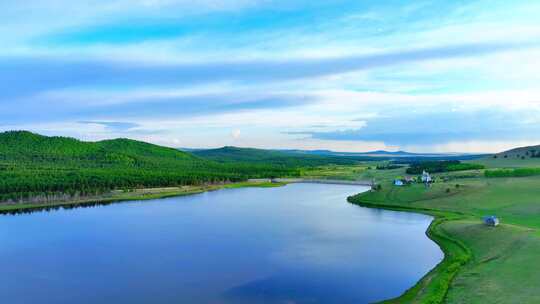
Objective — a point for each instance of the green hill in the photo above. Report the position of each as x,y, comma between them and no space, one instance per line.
283,158
514,158
32,164
523,152
23,146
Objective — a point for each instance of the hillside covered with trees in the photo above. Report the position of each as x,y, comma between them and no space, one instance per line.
274,157
32,164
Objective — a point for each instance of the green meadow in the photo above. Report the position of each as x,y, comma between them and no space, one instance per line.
513,162
524,157
483,264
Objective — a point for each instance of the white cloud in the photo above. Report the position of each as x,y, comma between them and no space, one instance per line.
506,82
476,146
236,134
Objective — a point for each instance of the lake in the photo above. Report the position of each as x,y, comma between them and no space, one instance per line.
302,243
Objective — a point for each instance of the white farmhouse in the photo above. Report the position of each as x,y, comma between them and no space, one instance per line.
426,178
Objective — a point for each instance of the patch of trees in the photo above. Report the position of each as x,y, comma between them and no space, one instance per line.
388,167
535,154
280,158
441,166
518,172
32,166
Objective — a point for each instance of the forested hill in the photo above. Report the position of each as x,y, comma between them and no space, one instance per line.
250,155
29,147
32,164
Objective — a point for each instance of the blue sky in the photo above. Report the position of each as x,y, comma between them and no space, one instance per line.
433,76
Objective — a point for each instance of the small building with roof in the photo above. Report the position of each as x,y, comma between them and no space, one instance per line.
491,220
398,182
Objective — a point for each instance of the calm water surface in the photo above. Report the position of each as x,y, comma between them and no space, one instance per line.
302,243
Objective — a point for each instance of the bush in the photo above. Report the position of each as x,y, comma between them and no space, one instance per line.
376,187
388,167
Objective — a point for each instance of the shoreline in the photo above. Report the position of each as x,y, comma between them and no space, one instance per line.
433,286
136,195
316,181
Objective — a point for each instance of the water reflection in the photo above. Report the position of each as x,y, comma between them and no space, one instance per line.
295,244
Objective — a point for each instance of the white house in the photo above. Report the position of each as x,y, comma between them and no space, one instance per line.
426,178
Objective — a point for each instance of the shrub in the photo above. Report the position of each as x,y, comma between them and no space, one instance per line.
388,167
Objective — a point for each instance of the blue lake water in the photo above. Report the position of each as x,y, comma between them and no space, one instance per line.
302,243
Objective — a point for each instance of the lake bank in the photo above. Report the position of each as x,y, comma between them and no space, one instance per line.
501,260
119,196
315,181
433,287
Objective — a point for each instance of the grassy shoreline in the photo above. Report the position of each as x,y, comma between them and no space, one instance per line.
481,263
136,195
432,287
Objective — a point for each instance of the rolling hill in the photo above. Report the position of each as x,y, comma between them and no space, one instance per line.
378,153
23,146
522,152
32,164
319,157
275,157
515,158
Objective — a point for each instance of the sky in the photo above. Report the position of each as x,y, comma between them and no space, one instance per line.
344,75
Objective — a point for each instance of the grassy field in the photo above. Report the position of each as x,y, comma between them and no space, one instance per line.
510,162
334,172
364,171
502,262
504,267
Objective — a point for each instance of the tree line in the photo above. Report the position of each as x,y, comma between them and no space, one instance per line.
32,165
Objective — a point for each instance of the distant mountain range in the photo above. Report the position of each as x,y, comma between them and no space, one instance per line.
378,153
294,156
277,157
235,151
